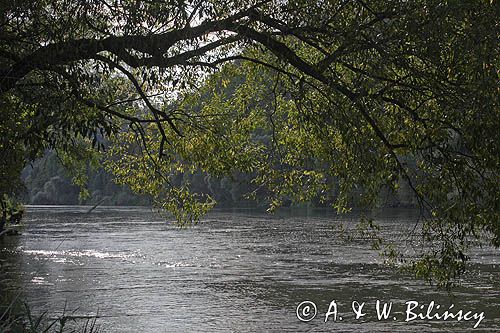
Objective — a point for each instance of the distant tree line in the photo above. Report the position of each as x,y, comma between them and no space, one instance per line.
48,182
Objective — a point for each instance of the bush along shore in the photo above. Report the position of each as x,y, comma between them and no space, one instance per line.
11,214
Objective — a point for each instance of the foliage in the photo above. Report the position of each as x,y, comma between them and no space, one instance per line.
333,101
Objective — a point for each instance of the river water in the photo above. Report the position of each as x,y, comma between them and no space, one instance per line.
237,271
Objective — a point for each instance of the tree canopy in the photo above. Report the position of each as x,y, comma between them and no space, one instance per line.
327,100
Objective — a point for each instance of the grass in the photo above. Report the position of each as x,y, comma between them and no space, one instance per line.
20,319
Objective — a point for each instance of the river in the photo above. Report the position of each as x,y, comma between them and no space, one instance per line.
237,271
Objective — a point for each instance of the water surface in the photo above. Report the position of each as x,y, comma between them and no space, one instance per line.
237,271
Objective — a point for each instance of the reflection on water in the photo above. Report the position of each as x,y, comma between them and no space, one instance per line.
238,271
